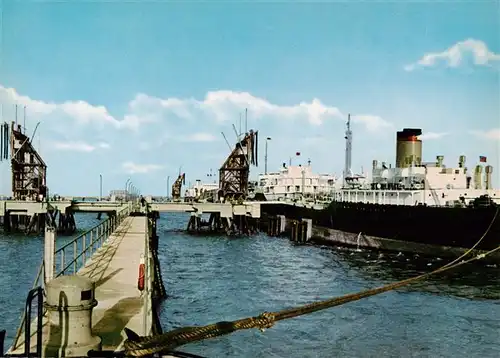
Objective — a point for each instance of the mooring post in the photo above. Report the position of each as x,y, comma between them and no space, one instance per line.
49,253
293,232
270,228
281,224
307,229
69,303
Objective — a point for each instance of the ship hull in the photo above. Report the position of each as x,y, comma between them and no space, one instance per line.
428,230
326,236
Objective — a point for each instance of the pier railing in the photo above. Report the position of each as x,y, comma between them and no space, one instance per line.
149,270
77,251
36,283
72,256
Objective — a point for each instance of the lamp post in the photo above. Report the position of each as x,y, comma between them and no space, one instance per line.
129,190
100,187
126,189
265,156
168,187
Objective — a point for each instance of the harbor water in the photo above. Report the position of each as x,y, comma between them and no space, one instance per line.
211,279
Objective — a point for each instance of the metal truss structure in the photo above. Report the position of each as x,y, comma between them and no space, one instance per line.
234,173
177,186
29,171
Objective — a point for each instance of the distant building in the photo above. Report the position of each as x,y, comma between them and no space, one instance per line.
117,195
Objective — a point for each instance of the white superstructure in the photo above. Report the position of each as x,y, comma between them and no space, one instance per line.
201,190
413,182
296,182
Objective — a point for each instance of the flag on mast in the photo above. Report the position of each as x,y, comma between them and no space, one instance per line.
482,159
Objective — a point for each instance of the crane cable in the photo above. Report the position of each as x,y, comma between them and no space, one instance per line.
148,345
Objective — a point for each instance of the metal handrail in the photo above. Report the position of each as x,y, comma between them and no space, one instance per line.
2,340
115,222
84,245
36,283
36,292
147,270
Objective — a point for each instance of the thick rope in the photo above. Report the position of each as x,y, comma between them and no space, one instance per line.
144,346
478,241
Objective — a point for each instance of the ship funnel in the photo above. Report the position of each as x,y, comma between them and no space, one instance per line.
439,161
487,180
477,176
375,164
408,148
461,161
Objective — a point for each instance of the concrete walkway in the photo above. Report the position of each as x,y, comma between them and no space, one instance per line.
115,270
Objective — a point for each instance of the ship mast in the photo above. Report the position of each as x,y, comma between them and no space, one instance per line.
348,148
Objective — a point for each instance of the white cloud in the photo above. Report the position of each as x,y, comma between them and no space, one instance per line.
86,113
79,146
10,96
222,106
432,135
200,137
103,145
217,106
74,146
80,111
133,168
454,55
371,122
492,134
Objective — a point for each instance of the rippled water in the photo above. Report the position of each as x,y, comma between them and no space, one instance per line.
211,279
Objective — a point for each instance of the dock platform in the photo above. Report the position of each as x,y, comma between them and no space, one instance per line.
114,268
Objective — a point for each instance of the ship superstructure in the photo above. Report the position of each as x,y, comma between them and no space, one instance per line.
295,182
202,191
414,182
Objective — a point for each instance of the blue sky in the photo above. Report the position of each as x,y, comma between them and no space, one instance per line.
139,89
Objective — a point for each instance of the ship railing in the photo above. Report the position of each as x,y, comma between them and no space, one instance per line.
81,248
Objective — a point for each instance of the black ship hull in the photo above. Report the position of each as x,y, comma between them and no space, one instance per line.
355,223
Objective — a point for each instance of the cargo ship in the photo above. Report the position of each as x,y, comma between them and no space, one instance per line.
415,206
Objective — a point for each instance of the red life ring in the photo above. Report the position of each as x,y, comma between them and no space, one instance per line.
142,275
